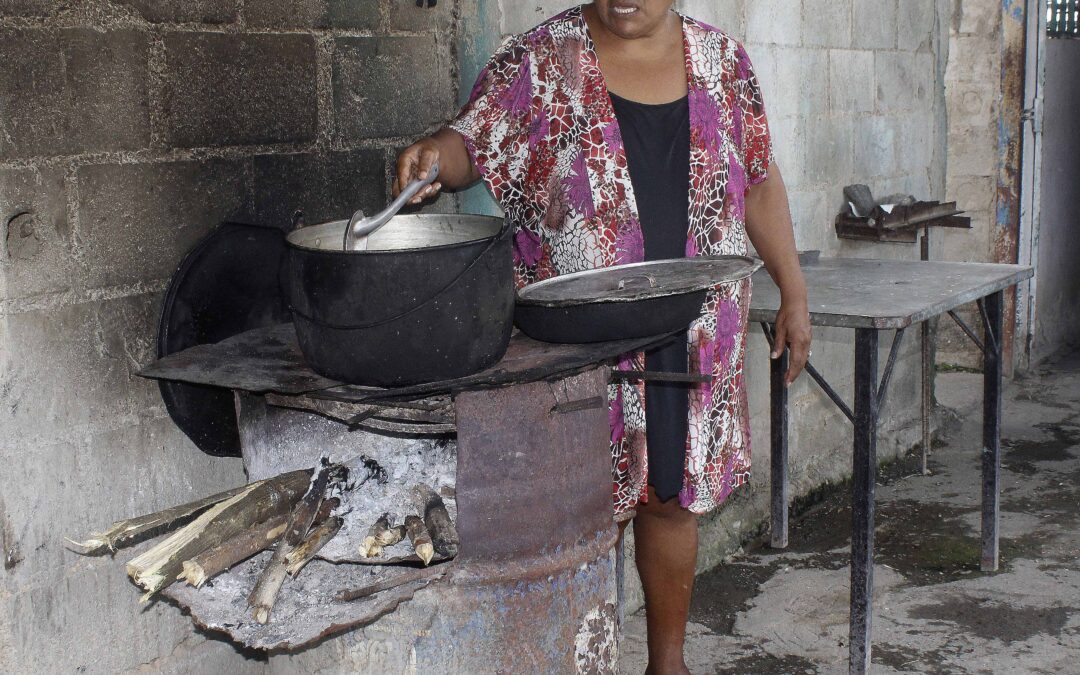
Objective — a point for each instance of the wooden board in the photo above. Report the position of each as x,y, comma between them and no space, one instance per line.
885,294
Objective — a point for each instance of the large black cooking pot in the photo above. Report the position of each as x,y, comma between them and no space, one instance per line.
431,298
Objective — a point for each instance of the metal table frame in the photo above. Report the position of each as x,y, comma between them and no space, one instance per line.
869,396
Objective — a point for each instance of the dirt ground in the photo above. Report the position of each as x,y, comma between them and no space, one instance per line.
770,611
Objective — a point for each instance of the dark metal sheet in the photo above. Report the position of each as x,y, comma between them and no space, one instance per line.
859,293
269,360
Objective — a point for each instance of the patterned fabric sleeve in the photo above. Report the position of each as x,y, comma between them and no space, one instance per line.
757,143
495,123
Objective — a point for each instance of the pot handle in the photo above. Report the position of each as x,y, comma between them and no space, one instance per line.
401,315
630,281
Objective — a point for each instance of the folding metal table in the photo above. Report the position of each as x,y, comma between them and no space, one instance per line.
871,296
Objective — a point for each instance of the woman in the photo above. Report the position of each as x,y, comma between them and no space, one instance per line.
616,132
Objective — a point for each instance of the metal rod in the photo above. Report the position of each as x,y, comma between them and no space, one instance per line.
994,310
590,403
883,388
620,579
927,394
991,333
864,473
967,330
778,447
815,375
659,376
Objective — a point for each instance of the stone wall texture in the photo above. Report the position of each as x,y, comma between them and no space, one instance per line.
128,130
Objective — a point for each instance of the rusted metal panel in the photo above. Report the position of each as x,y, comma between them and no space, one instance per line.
1006,235
534,474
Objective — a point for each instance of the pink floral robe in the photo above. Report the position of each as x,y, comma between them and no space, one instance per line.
542,132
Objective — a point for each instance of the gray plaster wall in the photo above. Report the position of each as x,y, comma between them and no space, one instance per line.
1057,322
128,130
855,92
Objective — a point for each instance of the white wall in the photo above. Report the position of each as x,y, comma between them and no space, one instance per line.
1057,321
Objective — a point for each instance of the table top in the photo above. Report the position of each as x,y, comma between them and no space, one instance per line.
885,294
269,360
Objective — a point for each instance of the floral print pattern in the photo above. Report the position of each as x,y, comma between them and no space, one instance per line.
541,131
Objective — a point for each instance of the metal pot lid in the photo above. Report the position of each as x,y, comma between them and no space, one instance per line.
638,281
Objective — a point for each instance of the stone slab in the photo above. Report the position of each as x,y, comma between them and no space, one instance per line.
354,14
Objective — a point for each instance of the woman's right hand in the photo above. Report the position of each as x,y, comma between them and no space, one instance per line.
413,163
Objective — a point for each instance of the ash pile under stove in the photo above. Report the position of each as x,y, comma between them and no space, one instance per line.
519,453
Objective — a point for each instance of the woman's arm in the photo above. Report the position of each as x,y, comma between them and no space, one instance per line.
768,223
445,146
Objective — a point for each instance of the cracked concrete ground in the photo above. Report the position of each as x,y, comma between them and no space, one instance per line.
769,611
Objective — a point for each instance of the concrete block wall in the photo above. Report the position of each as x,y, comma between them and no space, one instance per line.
128,130
854,90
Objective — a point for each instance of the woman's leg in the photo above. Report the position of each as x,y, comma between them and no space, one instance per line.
666,541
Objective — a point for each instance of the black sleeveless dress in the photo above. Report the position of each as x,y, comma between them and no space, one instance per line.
656,139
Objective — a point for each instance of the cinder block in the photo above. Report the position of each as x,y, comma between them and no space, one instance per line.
915,24
895,78
518,17
801,83
136,221
406,15
382,89
827,148
35,237
360,15
325,187
851,81
72,90
727,15
976,18
773,22
827,23
873,24
223,89
202,11
875,150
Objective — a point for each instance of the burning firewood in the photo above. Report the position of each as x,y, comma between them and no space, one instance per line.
392,536
213,562
444,535
421,540
381,535
264,594
316,539
255,503
124,532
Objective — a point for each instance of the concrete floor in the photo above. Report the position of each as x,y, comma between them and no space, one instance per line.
773,612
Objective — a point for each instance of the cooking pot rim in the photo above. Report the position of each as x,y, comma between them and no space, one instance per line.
503,231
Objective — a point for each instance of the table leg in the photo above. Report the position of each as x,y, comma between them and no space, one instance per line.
926,396
864,473
778,440
991,452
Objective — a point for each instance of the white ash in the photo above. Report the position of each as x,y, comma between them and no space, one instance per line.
307,607
407,466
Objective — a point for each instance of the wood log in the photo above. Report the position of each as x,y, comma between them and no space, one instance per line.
427,573
370,546
256,503
306,550
210,563
421,540
392,536
126,532
264,595
444,536
213,562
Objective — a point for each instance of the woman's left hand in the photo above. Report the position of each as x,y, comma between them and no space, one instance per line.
793,330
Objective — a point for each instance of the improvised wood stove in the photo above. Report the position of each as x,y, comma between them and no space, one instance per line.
518,451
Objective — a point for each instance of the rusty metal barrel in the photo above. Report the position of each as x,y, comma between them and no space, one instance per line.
533,587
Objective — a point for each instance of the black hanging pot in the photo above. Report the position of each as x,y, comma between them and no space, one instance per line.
626,301
431,298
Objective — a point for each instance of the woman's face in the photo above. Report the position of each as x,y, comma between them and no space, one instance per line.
630,19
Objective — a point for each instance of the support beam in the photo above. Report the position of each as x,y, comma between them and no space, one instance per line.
993,314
